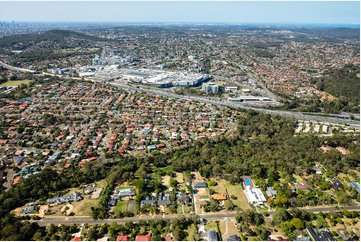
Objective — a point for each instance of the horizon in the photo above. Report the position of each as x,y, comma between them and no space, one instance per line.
125,23
267,13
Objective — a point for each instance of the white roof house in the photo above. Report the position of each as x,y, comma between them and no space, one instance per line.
254,195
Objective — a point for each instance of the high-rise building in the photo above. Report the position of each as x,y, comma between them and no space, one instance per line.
210,87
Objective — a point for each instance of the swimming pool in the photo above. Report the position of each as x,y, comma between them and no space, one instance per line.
247,181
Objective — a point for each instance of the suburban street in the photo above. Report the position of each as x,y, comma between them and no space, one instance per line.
82,220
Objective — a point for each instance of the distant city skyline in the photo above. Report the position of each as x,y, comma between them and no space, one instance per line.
286,12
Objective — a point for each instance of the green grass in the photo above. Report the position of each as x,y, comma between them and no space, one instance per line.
262,210
15,83
120,207
101,183
187,209
236,190
167,169
211,225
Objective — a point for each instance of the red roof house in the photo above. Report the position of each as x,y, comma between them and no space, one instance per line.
142,238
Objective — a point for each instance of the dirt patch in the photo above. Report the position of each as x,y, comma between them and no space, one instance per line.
42,210
197,177
67,208
200,192
96,193
165,181
179,177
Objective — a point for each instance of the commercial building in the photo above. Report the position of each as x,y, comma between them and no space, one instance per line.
210,87
231,89
248,99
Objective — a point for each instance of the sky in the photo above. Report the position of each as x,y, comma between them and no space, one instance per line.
287,12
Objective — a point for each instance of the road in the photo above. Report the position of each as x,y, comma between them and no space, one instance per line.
296,115
15,68
82,220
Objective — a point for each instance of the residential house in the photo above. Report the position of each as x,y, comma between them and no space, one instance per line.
122,238
219,197
212,235
234,237
74,197
30,209
148,201
184,199
164,200
254,195
336,184
323,235
271,193
143,238
200,185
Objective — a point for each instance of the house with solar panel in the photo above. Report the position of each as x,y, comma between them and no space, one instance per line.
253,194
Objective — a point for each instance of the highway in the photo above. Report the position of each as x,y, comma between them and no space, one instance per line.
15,68
290,114
82,220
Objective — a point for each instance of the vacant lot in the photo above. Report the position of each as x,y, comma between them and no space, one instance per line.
228,228
83,207
15,83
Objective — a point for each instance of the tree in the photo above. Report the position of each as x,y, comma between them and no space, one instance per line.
173,182
297,223
179,234
212,183
228,204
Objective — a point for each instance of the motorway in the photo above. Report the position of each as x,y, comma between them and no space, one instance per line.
15,68
82,220
296,115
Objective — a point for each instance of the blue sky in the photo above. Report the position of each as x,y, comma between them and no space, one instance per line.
307,12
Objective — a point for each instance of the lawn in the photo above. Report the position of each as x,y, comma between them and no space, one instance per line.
101,183
211,224
83,208
120,207
187,209
235,190
131,206
15,83
167,169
